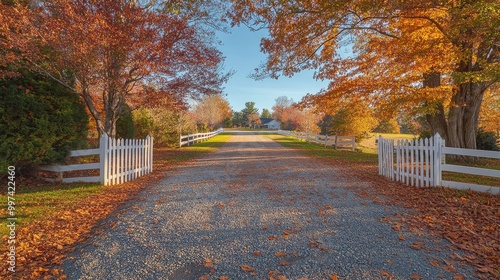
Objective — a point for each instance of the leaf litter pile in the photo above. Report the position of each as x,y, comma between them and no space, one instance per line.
468,220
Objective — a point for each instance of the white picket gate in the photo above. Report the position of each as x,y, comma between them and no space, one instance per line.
421,163
120,160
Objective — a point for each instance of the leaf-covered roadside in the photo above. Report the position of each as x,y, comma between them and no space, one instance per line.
42,243
468,220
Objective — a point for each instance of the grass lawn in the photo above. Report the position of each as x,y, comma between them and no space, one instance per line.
369,144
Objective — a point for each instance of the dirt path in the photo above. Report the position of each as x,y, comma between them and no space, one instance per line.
255,210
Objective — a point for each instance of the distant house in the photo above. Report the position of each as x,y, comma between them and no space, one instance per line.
269,123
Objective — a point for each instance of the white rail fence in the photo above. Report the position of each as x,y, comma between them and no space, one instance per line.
120,160
336,141
197,137
421,163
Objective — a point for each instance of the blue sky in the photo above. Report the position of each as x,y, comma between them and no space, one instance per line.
242,51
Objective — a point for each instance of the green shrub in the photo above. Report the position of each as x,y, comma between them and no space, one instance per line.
125,125
40,121
486,140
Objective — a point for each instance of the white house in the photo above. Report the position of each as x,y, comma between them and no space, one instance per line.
269,123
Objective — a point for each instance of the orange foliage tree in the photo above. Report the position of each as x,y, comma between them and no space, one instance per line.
437,58
211,112
106,50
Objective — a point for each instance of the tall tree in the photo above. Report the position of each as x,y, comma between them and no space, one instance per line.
265,113
436,56
280,107
249,110
110,49
211,111
238,120
253,120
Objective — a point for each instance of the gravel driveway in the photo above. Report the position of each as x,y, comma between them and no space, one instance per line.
255,210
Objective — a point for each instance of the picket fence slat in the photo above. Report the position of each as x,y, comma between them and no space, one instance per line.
421,162
120,160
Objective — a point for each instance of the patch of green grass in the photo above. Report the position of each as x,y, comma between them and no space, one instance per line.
369,145
317,150
43,201
175,155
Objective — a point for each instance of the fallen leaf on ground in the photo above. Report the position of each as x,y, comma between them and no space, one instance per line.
247,268
417,245
280,254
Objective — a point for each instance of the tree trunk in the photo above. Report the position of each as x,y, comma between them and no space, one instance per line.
464,114
93,110
436,121
460,126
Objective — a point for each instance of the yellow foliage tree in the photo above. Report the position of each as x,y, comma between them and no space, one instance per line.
439,57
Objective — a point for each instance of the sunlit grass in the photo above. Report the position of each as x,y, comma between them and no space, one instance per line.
320,151
43,201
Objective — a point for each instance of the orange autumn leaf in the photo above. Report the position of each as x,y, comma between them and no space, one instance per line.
209,262
247,268
434,263
415,276
333,277
280,254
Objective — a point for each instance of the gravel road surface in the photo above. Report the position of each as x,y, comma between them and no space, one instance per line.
256,210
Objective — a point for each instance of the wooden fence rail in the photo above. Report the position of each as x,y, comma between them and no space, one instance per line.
421,163
120,160
335,141
197,137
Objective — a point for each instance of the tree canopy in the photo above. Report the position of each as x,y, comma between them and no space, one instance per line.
105,50
435,58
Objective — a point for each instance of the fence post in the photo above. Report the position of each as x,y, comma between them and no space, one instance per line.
103,159
437,160
380,155
150,153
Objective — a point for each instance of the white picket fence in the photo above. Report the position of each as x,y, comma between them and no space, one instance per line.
197,137
421,163
335,141
120,160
